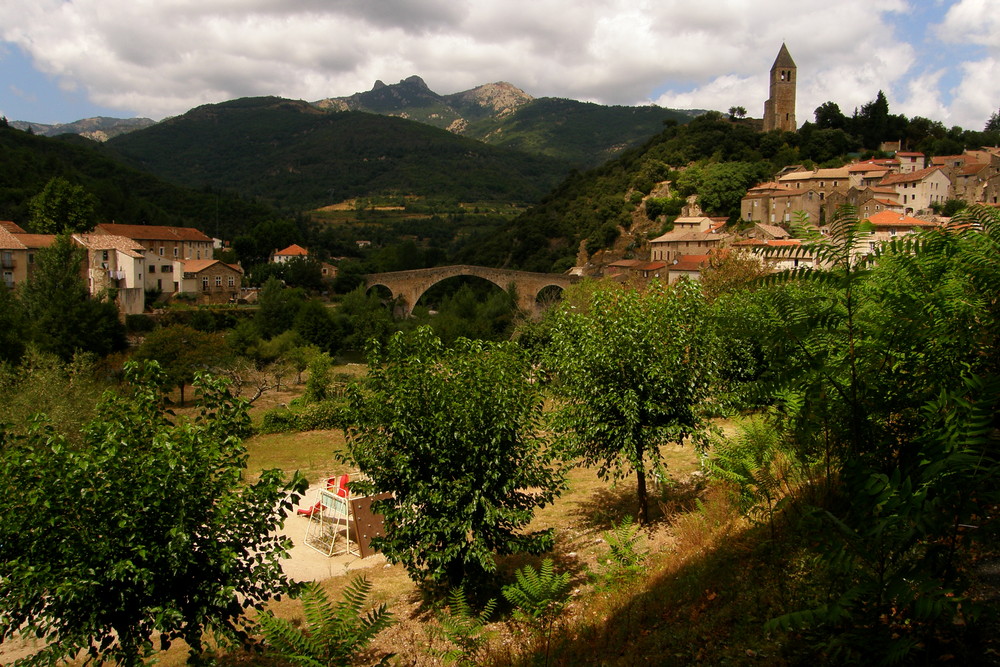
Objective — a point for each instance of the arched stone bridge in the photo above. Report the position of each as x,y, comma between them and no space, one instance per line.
409,286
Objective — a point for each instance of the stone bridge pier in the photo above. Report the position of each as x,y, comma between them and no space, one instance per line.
408,286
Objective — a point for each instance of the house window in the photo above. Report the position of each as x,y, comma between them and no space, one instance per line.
161,251
218,281
31,258
104,255
159,284
175,251
166,268
204,283
232,281
152,268
199,254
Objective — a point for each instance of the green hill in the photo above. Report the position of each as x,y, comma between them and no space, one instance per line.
123,194
295,156
582,133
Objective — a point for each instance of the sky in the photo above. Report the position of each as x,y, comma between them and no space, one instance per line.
63,60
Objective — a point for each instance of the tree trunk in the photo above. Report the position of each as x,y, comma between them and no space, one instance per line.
640,484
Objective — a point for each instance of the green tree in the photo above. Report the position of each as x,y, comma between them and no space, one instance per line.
144,530
993,124
13,327
452,434
182,352
315,324
277,308
64,319
632,368
829,117
62,208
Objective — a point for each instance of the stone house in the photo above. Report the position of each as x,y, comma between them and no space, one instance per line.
17,252
115,263
673,244
910,162
212,280
917,190
164,246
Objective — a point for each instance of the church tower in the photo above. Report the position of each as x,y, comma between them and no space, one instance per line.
779,109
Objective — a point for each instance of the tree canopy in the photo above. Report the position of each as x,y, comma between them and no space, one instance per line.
452,434
142,531
632,369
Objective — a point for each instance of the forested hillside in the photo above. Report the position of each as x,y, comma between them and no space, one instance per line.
121,194
297,157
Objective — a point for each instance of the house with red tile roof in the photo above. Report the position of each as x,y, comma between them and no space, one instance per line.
911,161
17,252
917,190
163,246
670,246
687,266
288,254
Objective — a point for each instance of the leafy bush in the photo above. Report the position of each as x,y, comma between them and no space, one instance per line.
139,323
310,417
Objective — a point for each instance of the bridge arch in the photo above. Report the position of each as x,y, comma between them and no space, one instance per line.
408,286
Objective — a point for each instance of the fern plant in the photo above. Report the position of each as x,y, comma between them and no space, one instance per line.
539,597
334,632
463,628
625,558
757,467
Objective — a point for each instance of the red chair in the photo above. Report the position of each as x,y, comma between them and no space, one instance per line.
331,484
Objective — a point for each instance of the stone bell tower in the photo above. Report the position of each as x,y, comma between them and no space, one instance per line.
779,109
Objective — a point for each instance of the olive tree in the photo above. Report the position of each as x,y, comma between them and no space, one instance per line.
142,530
632,368
452,435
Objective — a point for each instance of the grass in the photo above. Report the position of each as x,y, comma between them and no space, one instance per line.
311,453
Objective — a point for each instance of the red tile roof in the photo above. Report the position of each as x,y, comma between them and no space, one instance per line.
153,232
893,219
769,242
918,175
689,263
199,265
31,241
292,250
11,227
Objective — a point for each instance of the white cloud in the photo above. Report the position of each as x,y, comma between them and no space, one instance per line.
165,57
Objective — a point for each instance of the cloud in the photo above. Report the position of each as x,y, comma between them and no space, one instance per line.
163,58
973,23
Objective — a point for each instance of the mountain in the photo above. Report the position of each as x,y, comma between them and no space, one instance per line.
100,128
501,114
297,156
412,99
